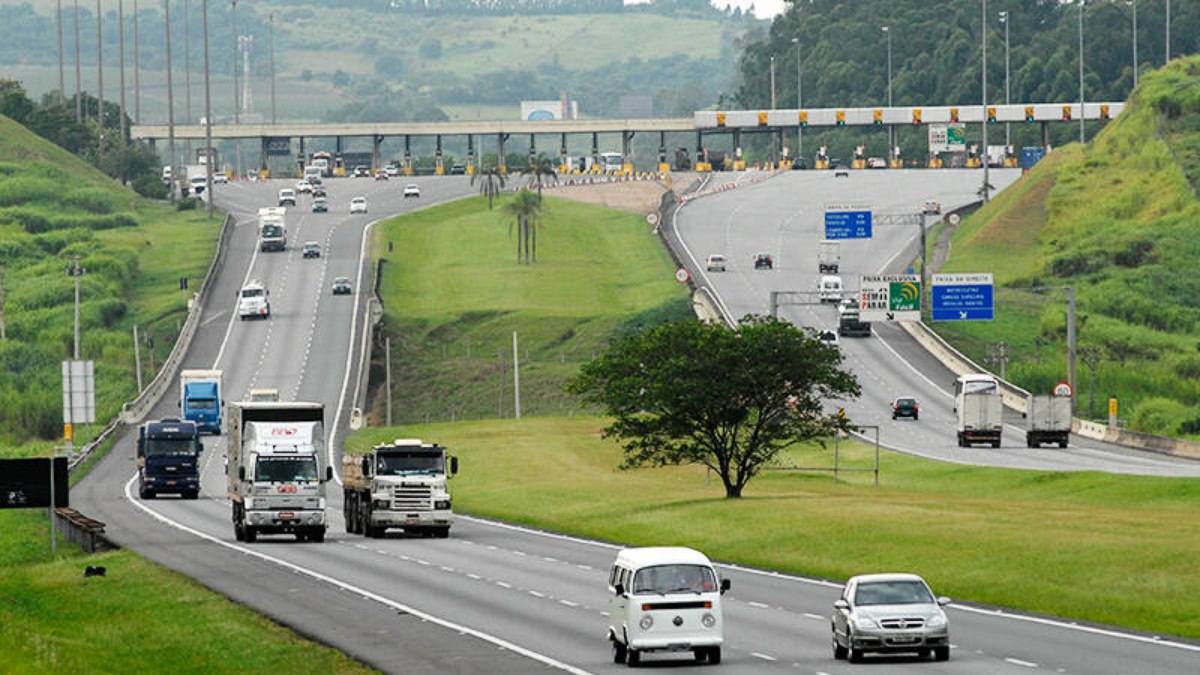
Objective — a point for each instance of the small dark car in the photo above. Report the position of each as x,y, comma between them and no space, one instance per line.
341,286
763,261
318,191
906,406
320,205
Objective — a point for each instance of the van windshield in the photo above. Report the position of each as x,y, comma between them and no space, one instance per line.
666,579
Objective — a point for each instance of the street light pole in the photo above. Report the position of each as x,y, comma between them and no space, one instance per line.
187,73
774,150
891,151
1007,92
62,86
235,63
1082,4
170,101
271,46
121,40
985,189
207,116
1135,63
1168,32
799,100
137,68
100,87
78,72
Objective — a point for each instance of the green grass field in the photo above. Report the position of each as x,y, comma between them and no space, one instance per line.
454,295
1112,549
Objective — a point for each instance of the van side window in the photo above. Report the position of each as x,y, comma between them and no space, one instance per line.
612,575
624,577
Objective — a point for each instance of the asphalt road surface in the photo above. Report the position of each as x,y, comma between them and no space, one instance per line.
492,598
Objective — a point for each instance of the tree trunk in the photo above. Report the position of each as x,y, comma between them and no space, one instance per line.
533,231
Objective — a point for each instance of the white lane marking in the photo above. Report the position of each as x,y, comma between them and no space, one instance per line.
476,577
765,657
1019,662
568,603
362,592
1003,614
502,584
445,569
814,617
536,594
760,605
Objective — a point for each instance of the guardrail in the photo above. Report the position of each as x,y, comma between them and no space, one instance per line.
136,410
81,530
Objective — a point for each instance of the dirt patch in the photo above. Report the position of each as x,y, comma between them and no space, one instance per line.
634,196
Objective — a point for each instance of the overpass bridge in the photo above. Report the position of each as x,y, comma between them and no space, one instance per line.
276,139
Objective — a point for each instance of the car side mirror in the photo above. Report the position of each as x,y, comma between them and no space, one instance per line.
199,448
366,466
725,585
328,473
841,604
619,589
453,465
943,600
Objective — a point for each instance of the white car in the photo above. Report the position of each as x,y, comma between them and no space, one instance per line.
392,171
304,187
358,205
287,197
889,613
412,190
715,263
220,178
876,163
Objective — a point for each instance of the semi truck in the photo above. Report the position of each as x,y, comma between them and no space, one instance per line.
979,408
829,256
1049,420
401,484
276,470
272,228
850,323
200,399
168,458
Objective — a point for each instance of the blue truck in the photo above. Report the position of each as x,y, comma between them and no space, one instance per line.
200,399
1030,155
168,458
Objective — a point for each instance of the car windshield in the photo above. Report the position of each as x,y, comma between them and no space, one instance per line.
341,280
402,463
285,469
252,292
893,593
286,193
665,579
168,447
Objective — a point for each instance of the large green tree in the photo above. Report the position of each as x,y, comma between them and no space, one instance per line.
731,400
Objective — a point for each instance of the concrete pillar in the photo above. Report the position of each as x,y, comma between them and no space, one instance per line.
470,154
563,166
501,164
376,160
408,167
626,151
439,168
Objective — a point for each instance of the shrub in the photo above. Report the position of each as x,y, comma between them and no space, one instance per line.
32,221
1160,416
1075,263
92,200
25,189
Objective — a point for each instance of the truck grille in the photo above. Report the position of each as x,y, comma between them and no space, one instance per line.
411,498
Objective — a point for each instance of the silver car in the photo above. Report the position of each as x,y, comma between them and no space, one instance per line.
889,613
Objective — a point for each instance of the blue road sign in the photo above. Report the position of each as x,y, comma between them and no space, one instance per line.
962,297
847,224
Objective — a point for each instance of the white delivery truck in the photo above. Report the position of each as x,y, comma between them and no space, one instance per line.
829,256
979,408
272,228
400,484
829,288
1049,420
276,469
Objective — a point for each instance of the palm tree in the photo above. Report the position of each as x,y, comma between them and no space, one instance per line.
541,170
491,183
526,207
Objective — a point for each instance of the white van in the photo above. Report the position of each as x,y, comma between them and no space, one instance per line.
830,288
665,599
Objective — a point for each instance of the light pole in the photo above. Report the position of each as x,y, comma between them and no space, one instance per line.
1007,93
1168,32
170,100
207,117
100,87
984,190
78,72
271,46
1082,4
62,86
233,3
799,100
187,73
891,151
774,150
121,40
137,68
1133,3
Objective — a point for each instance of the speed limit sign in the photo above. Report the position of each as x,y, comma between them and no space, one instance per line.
682,276
1063,389
652,218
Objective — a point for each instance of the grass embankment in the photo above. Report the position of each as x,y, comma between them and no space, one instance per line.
455,294
1118,220
1112,549
140,617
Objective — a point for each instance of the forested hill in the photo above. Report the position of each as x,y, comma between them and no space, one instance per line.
936,56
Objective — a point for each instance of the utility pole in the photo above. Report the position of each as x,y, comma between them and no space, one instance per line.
187,73
1168,33
207,115
121,41
75,270
271,46
100,79
1007,92
1135,60
233,4
62,85
137,68
516,378
985,191
799,99
170,101
387,358
1082,4
998,354
3,330
78,72
1071,337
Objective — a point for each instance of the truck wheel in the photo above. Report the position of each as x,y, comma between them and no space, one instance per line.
146,494
442,532
348,516
250,534
995,444
191,494
714,656
1062,444
317,536
941,654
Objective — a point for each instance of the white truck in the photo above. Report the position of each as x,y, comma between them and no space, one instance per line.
1049,420
200,399
979,408
253,302
400,484
276,469
829,256
197,178
272,228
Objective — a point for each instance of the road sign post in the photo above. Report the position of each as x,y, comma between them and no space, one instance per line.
963,297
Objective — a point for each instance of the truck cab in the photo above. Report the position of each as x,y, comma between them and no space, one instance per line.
829,288
399,485
200,399
168,455
252,301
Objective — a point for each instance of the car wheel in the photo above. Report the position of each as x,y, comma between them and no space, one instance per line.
618,652
317,536
1062,444
916,417
941,654
855,655
632,657
839,652
700,653
714,655
995,444
249,534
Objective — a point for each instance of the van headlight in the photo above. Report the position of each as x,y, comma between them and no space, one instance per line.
646,622
708,620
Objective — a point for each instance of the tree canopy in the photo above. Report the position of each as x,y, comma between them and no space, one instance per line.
731,400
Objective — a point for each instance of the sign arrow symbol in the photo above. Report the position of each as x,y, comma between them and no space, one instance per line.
962,315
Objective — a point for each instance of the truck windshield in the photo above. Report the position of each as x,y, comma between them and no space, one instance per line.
202,404
399,464
271,230
285,469
665,579
252,292
170,447
980,387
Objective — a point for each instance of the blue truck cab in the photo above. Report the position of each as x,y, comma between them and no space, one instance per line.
200,399
168,458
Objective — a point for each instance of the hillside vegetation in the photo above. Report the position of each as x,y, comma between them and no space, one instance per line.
1118,220
54,207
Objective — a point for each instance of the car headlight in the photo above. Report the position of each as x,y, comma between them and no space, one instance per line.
708,620
646,622
321,503
248,503
865,623
937,621
380,503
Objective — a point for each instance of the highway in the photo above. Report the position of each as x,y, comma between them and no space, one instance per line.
495,598
783,216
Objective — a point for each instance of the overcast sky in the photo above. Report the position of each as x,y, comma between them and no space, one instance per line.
763,9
